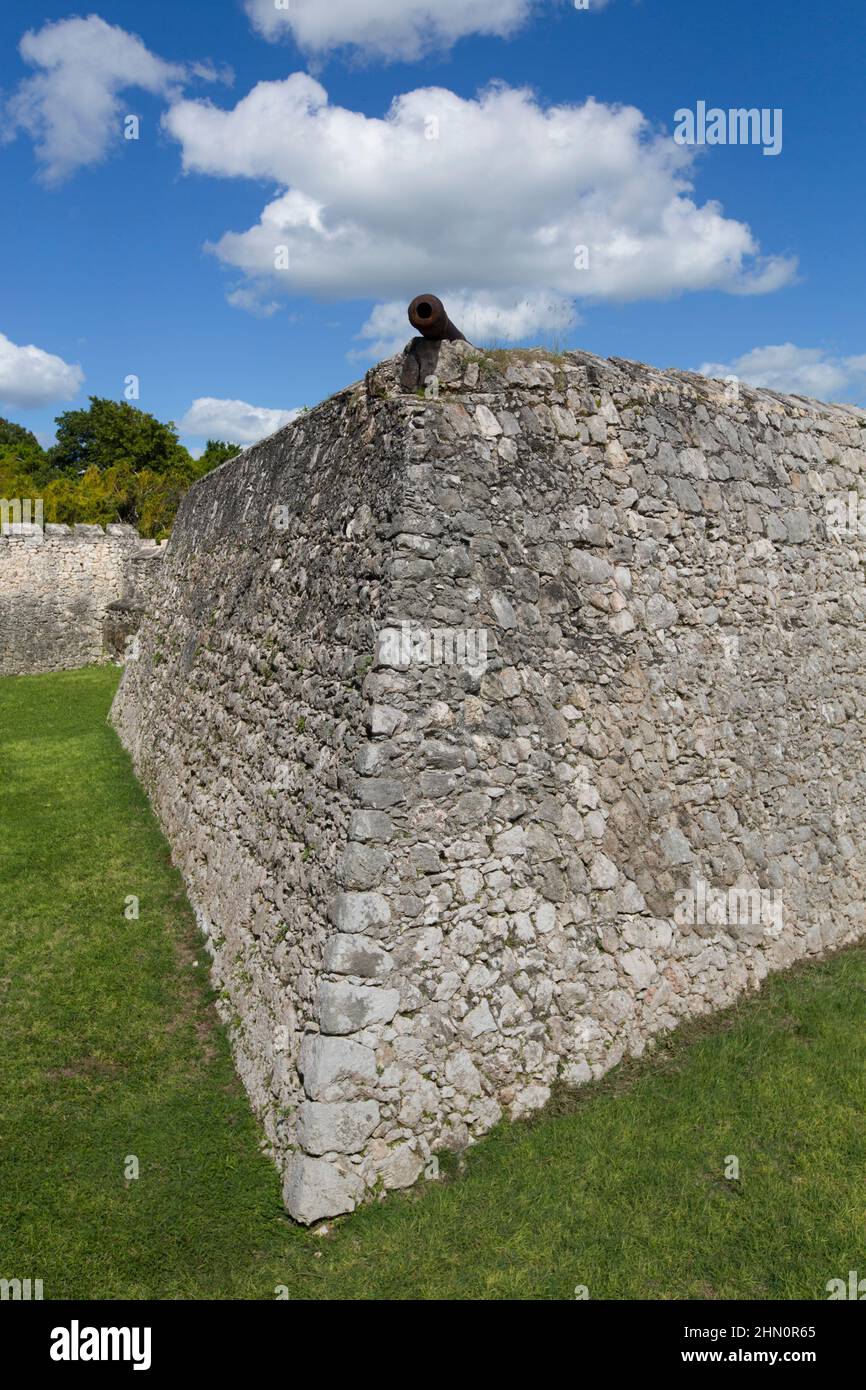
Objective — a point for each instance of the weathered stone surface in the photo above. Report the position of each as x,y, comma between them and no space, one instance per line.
651,794
336,1127
315,1189
345,1008
353,954
362,866
371,825
334,1067
401,1168
360,912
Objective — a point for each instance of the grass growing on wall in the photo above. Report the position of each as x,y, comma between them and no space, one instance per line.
110,1049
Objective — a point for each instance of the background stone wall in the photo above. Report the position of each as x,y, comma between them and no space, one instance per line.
496,729
71,596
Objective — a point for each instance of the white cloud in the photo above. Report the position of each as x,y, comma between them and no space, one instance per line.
31,377
71,107
247,297
796,371
495,207
392,29
387,28
238,422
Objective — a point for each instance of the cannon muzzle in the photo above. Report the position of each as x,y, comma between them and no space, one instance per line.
428,317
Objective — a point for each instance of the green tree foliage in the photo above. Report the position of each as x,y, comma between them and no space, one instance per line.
22,460
15,439
112,462
112,433
216,452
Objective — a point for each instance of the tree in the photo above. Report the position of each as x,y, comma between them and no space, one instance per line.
22,459
99,496
216,452
19,441
111,433
112,462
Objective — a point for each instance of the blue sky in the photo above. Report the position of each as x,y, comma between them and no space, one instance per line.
723,257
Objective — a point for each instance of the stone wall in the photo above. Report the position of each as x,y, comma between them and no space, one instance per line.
71,596
498,728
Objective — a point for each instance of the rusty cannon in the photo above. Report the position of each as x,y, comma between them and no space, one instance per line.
428,317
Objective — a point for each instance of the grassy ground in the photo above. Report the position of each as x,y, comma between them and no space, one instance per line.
110,1048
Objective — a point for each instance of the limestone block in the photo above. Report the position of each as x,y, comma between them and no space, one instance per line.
314,1190
334,1067
360,912
351,953
345,1008
336,1127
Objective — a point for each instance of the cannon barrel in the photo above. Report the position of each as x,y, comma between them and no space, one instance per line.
428,317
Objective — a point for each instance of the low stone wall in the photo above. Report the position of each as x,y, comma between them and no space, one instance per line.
497,729
71,596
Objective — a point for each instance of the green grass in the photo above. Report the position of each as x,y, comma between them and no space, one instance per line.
110,1048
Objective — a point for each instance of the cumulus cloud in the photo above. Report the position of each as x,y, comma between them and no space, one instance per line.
386,28
71,106
797,371
498,197
394,29
238,422
31,377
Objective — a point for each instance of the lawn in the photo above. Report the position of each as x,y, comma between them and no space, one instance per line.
111,1050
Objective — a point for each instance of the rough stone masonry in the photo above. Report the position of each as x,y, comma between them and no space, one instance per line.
498,721
71,595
